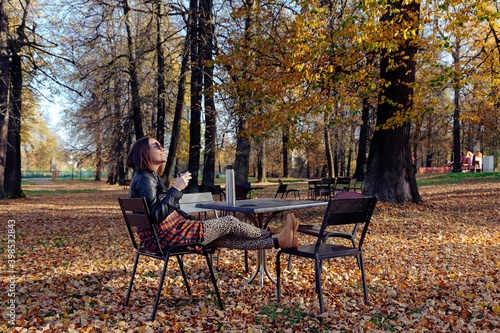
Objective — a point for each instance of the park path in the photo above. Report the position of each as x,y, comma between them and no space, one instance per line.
40,181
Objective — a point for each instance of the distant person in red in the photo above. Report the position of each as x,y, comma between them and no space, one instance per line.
173,226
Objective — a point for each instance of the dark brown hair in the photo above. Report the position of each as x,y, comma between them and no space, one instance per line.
139,158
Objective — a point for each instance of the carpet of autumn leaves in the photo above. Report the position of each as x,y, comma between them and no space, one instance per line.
431,267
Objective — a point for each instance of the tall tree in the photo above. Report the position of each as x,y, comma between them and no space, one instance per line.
284,143
196,94
247,102
161,90
328,147
359,172
261,160
457,163
390,172
4,91
179,107
132,71
208,39
12,175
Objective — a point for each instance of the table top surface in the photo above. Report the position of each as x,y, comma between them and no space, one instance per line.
262,205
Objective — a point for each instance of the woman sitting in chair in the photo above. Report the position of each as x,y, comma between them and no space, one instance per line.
173,226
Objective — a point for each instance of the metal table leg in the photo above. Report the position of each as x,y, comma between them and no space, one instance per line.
261,254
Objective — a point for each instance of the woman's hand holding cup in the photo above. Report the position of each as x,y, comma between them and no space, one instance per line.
182,181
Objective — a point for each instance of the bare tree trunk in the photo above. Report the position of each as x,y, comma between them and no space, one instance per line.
121,135
12,175
179,105
363,139
162,93
309,174
4,92
98,161
350,151
337,156
208,178
243,143
261,161
416,141
242,160
328,151
132,68
284,140
430,151
457,165
196,90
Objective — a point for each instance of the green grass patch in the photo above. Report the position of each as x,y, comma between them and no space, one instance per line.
27,182
65,179
457,178
49,192
285,180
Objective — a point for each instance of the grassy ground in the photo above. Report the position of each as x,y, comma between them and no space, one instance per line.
88,184
457,178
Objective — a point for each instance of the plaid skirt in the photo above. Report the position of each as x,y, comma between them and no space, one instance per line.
175,229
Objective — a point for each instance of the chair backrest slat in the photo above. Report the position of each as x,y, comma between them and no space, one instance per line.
347,217
138,220
343,183
132,204
344,180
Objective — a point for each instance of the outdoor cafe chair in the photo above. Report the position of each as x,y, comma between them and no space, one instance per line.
283,189
312,185
326,188
241,191
358,184
136,215
314,230
340,211
342,184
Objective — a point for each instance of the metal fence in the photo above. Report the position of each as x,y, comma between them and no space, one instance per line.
75,174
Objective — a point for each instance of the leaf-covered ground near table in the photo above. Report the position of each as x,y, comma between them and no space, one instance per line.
431,267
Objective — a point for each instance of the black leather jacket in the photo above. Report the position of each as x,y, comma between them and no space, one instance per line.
161,200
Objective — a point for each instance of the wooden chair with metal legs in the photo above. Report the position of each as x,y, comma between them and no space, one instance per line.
340,211
136,215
